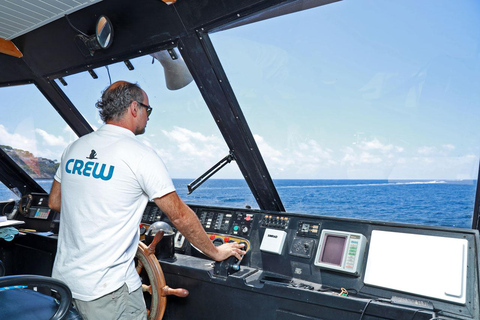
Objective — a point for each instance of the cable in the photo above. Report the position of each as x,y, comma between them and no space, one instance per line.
328,288
109,78
415,313
434,313
71,25
365,308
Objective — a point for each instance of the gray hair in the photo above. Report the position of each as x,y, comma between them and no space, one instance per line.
116,99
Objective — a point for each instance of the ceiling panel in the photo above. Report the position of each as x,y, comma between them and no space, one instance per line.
18,17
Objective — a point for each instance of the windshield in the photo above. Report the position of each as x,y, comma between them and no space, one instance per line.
180,129
32,134
371,107
360,109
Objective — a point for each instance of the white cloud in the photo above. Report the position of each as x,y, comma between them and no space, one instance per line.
195,143
371,152
369,158
436,167
52,140
375,144
51,146
313,148
448,147
187,154
267,150
433,151
305,160
16,140
427,150
184,135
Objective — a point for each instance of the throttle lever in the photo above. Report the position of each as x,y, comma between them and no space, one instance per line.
225,268
236,266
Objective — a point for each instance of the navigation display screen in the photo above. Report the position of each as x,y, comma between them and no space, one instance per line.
333,248
341,251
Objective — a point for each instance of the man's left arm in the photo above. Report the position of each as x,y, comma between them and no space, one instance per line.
186,221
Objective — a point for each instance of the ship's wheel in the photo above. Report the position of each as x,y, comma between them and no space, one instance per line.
157,288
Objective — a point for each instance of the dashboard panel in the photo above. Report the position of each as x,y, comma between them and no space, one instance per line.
329,256
299,266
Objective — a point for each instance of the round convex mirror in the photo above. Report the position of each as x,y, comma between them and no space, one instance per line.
104,32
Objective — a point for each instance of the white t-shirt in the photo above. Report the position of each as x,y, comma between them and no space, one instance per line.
106,180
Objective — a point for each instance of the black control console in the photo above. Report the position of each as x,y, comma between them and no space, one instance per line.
226,222
152,214
304,242
300,257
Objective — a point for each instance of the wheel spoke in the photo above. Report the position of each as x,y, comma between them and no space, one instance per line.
158,289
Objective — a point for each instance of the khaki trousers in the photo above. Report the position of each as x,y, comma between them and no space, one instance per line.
118,305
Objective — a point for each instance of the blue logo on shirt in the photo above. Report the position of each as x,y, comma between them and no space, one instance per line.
89,169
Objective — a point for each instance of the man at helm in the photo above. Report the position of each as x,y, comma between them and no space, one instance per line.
102,186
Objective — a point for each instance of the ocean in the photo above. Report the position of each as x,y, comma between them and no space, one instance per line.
439,203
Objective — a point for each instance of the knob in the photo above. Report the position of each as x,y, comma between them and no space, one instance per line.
245,229
218,242
244,245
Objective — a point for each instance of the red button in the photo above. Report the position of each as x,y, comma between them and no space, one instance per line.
212,237
226,239
248,218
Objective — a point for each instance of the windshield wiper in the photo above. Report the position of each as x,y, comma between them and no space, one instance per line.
210,172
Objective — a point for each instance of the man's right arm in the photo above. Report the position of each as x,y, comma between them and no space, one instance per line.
55,199
186,221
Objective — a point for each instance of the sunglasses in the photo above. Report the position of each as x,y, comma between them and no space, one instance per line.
149,109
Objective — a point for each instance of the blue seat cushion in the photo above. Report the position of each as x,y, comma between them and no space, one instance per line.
26,304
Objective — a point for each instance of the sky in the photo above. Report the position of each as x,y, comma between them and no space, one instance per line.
352,90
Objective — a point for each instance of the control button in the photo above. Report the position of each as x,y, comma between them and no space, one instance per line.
212,237
236,228
245,229
226,239
218,242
